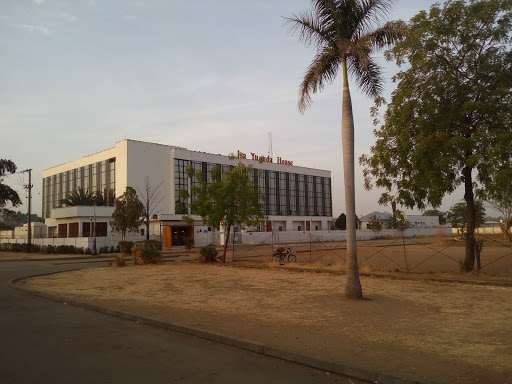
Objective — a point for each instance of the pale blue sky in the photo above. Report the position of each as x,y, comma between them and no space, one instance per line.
213,76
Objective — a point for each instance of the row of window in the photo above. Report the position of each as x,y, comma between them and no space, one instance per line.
283,193
96,177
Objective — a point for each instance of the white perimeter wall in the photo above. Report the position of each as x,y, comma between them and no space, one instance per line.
325,236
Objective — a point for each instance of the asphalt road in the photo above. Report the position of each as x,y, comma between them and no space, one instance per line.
46,342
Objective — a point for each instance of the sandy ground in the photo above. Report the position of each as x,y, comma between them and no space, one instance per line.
432,332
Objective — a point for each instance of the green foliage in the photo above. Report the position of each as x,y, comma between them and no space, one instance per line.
452,107
342,35
341,222
13,219
449,119
229,199
499,197
126,247
147,251
208,254
458,215
401,222
375,224
189,242
7,194
128,213
85,197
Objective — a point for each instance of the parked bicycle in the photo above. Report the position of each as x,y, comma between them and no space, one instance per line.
282,254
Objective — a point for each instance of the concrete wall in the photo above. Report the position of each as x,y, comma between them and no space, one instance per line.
423,221
257,238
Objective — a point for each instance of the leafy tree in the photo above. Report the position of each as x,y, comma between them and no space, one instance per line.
341,31
449,117
499,196
128,213
7,194
341,222
375,224
151,198
13,219
458,215
401,222
436,212
503,204
230,199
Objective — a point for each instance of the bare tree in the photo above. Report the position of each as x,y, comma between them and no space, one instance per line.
151,199
504,206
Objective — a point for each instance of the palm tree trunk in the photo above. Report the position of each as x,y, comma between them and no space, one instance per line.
353,288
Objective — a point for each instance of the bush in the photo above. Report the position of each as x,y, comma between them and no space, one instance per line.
189,242
126,247
208,254
120,260
147,252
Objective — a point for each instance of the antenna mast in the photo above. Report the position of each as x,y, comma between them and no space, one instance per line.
270,152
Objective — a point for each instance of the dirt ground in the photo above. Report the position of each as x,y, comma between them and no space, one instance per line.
430,332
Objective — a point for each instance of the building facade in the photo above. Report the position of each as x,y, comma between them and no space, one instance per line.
295,198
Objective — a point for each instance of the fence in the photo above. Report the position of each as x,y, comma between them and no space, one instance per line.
390,252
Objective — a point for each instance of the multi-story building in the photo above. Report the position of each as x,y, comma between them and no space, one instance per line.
296,198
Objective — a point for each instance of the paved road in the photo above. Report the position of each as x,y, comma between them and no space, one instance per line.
46,342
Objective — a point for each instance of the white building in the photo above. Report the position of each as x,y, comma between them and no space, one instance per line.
296,198
413,221
419,221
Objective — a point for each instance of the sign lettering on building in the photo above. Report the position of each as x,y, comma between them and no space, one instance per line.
266,159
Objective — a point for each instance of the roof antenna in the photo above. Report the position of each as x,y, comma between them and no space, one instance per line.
270,152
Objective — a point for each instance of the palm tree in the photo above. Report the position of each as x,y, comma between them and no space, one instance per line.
82,197
342,31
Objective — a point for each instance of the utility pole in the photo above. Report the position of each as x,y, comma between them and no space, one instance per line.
29,188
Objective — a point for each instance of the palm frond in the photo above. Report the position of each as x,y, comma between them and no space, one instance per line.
389,34
368,13
308,29
367,73
321,71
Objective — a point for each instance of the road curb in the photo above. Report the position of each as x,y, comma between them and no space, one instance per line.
249,345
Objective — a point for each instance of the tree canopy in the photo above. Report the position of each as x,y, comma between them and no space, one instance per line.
230,198
449,119
7,194
341,222
11,219
128,213
346,35
458,215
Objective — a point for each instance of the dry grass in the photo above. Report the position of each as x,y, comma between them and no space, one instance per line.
407,327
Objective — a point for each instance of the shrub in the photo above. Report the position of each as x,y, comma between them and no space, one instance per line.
189,242
126,247
208,254
147,252
120,260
